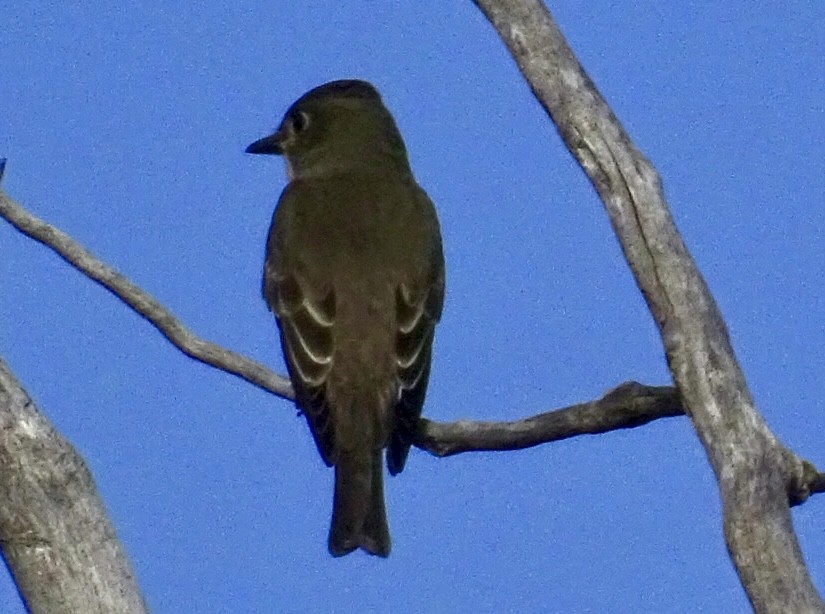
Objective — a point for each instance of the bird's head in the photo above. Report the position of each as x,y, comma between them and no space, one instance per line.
341,126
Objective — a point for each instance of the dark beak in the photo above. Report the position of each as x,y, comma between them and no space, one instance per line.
268,145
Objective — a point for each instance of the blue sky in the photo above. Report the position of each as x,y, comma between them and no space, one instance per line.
126,126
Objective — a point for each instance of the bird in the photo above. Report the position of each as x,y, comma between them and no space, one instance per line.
354,274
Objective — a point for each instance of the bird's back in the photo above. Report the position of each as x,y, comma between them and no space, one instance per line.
359,236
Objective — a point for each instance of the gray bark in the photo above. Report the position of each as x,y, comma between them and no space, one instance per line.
758,477
56,538
63,551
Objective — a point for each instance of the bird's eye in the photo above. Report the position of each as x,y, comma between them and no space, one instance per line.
300,121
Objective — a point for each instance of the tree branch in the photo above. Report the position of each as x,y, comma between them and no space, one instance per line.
142,302
627,406
757,476
56,537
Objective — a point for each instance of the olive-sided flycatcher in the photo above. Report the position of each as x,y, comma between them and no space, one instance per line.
354,274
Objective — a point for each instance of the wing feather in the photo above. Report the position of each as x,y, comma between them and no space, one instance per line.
306,328
417,313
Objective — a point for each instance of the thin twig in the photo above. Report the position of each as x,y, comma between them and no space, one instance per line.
142,302
627,406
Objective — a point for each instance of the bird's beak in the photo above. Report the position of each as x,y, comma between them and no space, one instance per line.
268,145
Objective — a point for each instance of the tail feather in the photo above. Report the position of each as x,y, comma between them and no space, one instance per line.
359,519
375,534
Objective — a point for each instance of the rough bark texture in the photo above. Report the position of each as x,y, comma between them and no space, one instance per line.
757,476
64,553
58,542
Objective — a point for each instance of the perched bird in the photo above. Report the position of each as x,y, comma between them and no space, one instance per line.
354,274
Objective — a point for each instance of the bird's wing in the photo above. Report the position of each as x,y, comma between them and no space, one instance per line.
418,309
306,316
307,339
417,312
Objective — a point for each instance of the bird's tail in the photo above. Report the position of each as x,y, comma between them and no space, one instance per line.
359,519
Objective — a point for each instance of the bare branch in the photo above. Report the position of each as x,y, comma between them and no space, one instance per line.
54,532
807,483
816,482
758,477
627,406
756,474
141,302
